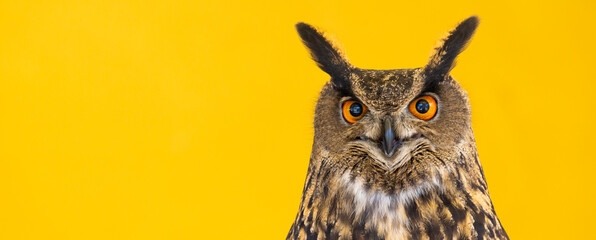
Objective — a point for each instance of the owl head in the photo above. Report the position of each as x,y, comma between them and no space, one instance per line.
391,128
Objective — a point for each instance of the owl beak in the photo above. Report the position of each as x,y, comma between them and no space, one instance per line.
389,142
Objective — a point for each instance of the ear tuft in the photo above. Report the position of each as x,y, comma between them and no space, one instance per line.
442,60
328,57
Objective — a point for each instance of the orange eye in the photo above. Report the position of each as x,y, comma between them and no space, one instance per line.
424,107
353,111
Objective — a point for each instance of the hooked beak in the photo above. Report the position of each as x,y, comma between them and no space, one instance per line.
389,143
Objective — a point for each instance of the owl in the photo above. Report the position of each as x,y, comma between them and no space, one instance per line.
394,154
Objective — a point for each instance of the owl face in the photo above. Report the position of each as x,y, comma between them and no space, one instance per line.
391,114
391,128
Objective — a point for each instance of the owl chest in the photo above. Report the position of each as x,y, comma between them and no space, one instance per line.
356,217
383,217
377,214
354,211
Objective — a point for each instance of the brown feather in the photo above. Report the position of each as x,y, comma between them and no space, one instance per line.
433,187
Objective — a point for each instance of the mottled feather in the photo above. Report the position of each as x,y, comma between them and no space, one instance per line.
433,186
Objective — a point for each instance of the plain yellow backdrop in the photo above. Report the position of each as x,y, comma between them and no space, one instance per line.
193,120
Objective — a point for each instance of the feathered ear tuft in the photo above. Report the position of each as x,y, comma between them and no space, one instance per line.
328,57
442,60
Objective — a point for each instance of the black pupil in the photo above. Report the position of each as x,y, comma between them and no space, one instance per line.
356,109
422,106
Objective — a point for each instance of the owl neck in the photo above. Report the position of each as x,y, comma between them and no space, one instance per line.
452,202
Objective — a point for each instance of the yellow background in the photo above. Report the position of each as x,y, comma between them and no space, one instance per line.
193,120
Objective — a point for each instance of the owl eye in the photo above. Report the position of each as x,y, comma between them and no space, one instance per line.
353,111
424,107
